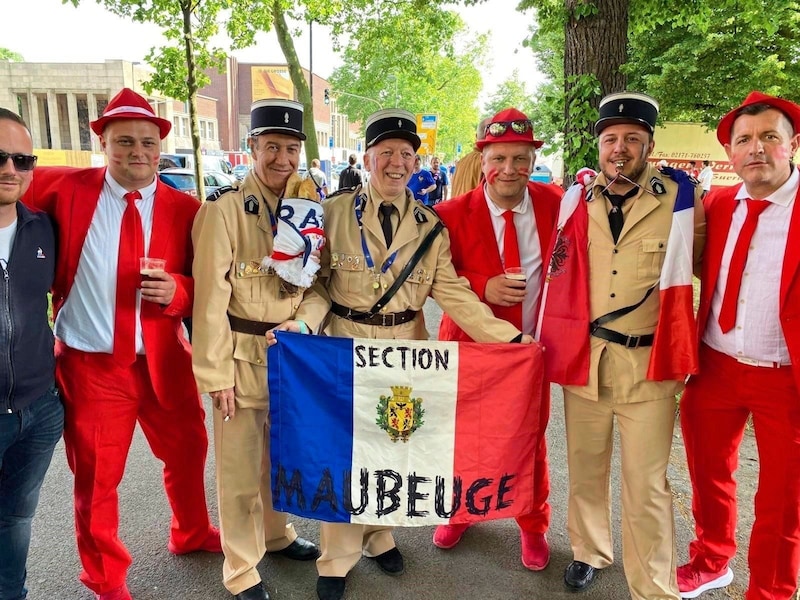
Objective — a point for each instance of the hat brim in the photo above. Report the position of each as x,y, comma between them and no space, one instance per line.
609,121
164,126
279,130
790,109
402,134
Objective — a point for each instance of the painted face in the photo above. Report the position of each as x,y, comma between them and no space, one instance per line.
132,147
390,163
276,157
14,139
761,148
507,167
624,148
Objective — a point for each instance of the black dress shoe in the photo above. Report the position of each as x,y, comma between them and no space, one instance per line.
579,575
330,588
299,549
257,592
390,562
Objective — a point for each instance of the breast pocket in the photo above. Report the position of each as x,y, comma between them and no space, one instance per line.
651,257
251,283
420,280
349,270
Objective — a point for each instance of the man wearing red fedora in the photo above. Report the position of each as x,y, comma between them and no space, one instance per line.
122,352
511,220
749,357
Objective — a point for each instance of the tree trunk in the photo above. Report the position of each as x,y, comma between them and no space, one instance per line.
191,84
595,48
298,79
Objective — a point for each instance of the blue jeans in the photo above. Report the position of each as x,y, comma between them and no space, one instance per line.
27,440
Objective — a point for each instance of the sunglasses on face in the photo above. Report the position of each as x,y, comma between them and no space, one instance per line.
500,127
22,162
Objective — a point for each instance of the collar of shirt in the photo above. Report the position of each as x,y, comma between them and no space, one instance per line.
522,207
782,196
374,199
147,192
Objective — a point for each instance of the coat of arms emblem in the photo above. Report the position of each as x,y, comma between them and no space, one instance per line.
400,415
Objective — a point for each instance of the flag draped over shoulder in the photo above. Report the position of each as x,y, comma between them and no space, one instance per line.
563,324
400,432
674,353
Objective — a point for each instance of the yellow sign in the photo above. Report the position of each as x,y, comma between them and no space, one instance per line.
426,130
271,82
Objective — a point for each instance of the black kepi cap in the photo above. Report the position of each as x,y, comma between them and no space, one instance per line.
627,107
392,123
276,115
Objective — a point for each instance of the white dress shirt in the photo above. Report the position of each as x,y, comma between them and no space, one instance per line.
757,334
705,178
86,321
530,251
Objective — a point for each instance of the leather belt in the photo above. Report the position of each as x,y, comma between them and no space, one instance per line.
240,325
381,319
629,341
769,364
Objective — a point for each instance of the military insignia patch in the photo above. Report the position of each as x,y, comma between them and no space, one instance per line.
590,193
215,195
251,205
657,186
400,415
419,215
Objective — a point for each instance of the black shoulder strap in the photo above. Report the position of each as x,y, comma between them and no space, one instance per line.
621,312
401,279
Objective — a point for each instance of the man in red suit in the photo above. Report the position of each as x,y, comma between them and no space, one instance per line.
749,357
122,352
499,234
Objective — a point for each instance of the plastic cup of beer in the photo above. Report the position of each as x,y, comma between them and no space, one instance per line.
148,266
515,273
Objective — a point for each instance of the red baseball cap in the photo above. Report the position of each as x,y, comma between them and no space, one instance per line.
130,105
512,126
790,109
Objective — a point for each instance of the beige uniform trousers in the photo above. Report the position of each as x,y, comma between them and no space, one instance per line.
648,528
249,525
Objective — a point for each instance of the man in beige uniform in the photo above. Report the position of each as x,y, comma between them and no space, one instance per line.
364,255
236,302
626,253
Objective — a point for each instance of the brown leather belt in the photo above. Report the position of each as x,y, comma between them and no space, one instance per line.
240,325
381,319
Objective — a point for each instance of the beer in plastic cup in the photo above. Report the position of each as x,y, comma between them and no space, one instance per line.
148,266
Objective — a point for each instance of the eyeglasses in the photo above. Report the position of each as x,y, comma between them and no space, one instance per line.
498,128
22,162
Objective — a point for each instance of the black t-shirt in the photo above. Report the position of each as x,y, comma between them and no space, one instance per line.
350,177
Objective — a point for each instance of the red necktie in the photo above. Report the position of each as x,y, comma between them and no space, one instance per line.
727,314
131,245
510,243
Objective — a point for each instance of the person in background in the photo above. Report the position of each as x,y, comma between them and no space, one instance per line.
514,218
749,357
350,177
442,182
31,413
468,172
421,183
123,356
317,175
706,177
236,302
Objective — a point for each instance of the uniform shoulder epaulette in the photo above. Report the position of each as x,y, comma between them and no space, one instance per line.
218,193
420,215
345,190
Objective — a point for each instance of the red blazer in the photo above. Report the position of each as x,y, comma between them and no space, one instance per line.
70,197
719,206
475,253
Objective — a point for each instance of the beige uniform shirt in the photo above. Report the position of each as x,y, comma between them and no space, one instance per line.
620,274
350,281
231,236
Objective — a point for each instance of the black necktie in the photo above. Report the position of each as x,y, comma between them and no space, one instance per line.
615,218
386,222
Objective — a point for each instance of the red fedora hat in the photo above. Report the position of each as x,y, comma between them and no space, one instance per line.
790,109
509,126
130,105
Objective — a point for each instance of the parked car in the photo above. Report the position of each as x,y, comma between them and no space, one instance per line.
241,171
542,174
183,180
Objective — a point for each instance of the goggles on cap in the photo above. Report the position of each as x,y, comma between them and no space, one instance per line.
22,162
499,128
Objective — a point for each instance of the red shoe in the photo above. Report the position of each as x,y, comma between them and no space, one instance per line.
692,582
448,536
535,550
120,593
212,543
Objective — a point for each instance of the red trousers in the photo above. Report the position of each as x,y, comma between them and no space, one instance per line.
103,402
714,410
538,520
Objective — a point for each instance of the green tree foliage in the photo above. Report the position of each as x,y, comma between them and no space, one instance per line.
7,55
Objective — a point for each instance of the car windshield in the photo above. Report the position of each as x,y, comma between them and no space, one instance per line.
178,180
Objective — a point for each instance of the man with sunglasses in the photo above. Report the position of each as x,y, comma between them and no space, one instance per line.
510,219
630,215
31,413
123,354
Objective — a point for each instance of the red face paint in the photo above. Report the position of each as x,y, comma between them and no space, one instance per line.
491,175
524,172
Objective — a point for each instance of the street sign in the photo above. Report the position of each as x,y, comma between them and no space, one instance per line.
458,149
330,142
358,146
426,130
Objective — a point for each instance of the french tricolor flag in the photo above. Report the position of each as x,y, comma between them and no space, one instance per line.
401,432
674,353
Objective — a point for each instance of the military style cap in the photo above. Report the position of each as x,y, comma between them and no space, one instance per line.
790,109
627,107
392,123
275,115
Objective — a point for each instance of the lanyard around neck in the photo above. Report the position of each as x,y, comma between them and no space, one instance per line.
358,205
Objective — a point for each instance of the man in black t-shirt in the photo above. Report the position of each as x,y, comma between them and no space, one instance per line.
350,177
